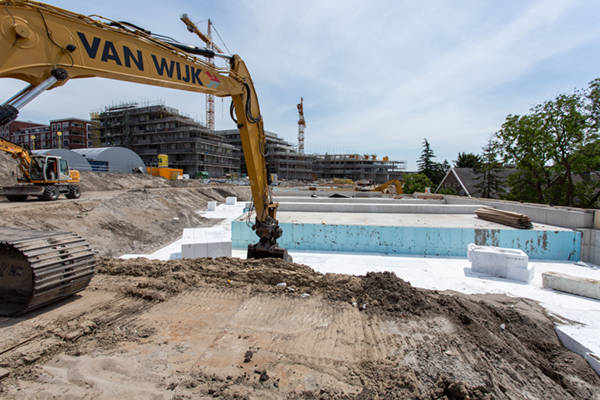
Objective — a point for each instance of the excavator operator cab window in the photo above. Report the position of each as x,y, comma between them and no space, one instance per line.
51,169
36,168
64,169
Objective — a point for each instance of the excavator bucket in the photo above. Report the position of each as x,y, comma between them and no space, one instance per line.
258,251
39,268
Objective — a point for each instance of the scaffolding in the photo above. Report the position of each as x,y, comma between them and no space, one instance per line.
157,129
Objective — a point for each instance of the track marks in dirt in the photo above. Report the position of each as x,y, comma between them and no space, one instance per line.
223,328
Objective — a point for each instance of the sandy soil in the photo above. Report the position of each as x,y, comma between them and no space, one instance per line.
224,328
119,213
229,328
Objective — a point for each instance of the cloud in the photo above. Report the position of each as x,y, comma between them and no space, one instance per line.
376,76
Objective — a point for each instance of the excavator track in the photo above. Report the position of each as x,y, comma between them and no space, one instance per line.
38,268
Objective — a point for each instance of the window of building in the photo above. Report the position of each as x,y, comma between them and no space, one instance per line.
66,143
65,125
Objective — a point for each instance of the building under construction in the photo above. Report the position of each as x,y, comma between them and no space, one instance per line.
158,129
282,157
358,167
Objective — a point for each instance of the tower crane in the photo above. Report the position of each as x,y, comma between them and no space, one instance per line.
301,126
210,98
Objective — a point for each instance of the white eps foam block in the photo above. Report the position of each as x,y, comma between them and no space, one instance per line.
230,201
505,263
594,362
212,206
567,338
201,242
586,287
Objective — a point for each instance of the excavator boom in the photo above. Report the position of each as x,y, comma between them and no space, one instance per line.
46,47
397,184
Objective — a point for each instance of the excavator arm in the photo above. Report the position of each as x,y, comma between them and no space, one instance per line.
46,47
397,184
19,153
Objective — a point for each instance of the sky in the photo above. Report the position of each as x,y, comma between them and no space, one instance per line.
377,77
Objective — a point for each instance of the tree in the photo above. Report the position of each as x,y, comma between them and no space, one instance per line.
434,171
553,149
446,190
490,184
468,160
416,183
425,162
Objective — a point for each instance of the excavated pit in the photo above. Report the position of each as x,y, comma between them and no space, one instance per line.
227,328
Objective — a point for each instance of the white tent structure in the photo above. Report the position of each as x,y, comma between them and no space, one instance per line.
76,161
117,159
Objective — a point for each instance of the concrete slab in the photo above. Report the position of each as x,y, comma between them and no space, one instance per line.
587,287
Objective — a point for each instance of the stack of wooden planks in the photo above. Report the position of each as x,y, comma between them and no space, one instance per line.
509,218
430,196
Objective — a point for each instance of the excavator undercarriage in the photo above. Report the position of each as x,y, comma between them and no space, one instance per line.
38,268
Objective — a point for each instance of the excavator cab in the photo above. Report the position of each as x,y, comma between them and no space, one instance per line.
46,168
36,168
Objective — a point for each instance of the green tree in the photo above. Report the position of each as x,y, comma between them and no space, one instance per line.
447,190
489,183
433,170
416,183
553,149
468,160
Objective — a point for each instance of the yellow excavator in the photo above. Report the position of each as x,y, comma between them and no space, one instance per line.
44,176
397,185
46,47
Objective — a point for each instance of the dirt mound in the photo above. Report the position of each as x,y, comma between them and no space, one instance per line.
7,169
105,181
230,328
137,221
509,345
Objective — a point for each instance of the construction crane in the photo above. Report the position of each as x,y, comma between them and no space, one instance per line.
301,126
210,98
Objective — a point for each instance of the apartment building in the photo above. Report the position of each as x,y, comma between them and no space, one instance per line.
66,133
157,129
73,133
358,167
282,158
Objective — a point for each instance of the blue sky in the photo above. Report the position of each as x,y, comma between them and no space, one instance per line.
377,77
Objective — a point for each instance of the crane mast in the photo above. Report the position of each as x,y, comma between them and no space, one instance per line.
206,38
301,126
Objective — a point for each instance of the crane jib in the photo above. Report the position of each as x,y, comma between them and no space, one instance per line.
171,68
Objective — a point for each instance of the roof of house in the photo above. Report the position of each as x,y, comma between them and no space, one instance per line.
469,178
